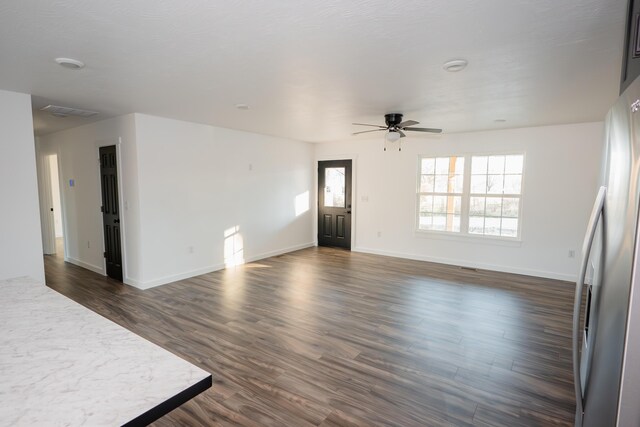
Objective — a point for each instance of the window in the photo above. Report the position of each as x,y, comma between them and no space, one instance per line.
334,179
441,183
496,183
482,199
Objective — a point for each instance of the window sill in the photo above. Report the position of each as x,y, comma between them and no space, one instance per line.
469,238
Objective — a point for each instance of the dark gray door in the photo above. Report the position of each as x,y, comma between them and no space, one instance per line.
334,203
110,211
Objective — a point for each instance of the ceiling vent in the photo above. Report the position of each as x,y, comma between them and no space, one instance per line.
58,111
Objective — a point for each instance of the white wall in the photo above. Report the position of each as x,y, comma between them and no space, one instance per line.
197,181
20,243
560,183
183,186
77,151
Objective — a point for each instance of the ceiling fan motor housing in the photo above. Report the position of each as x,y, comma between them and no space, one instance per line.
393,119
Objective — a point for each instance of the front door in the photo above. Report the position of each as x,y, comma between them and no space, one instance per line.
110,211
334,203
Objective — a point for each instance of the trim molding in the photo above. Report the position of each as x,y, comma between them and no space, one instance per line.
280,252
94,268
132,282
174,277
185,275
483,266
172,403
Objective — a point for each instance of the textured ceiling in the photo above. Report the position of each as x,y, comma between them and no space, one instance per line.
309,68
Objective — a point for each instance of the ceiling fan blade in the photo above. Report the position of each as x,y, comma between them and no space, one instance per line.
367,131
402,134
408,123
365,124
432,130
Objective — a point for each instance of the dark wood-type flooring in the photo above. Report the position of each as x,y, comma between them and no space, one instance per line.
327,337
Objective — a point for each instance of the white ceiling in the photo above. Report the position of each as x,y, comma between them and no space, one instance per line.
309,68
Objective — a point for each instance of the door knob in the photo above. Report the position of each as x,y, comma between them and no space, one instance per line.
348,212
116,221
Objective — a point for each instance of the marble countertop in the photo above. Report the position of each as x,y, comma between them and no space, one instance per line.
62,364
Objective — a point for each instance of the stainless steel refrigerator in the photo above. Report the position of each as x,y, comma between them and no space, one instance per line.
606,330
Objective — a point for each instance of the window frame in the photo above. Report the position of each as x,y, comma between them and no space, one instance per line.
436,194
466,195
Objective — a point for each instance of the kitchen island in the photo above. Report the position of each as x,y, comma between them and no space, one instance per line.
63,364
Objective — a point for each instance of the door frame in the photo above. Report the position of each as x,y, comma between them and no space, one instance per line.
63,210
354,194
63,203
123,209
45,185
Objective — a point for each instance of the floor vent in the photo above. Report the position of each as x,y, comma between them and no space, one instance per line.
475,270
59,111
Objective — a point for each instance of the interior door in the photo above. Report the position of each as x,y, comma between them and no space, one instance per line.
46,205
111,211
334,203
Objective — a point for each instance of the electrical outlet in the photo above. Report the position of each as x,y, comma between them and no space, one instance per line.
250,166
190,249
572,253
379,233
88,244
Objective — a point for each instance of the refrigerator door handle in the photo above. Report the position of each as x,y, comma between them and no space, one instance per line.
596,213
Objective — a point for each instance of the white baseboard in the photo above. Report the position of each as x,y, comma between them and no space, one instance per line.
181,276
174,277
462,263
279,252
94,268
132,282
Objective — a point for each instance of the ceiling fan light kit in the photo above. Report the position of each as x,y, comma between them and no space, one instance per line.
395,129
393,136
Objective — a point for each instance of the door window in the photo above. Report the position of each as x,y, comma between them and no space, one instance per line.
334,185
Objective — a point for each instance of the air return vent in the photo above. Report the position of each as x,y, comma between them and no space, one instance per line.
59,111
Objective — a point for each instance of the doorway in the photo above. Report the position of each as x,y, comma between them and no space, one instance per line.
334,203
50,206
56,207
111,211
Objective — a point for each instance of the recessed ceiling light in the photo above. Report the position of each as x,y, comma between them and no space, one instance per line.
455,65
72,64
500,120
242,106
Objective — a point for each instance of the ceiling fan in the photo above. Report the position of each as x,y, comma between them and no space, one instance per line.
396,128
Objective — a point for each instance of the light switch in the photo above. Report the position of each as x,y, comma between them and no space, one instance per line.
72,183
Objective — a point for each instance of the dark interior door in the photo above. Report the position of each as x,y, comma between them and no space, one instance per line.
334,203
111,211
